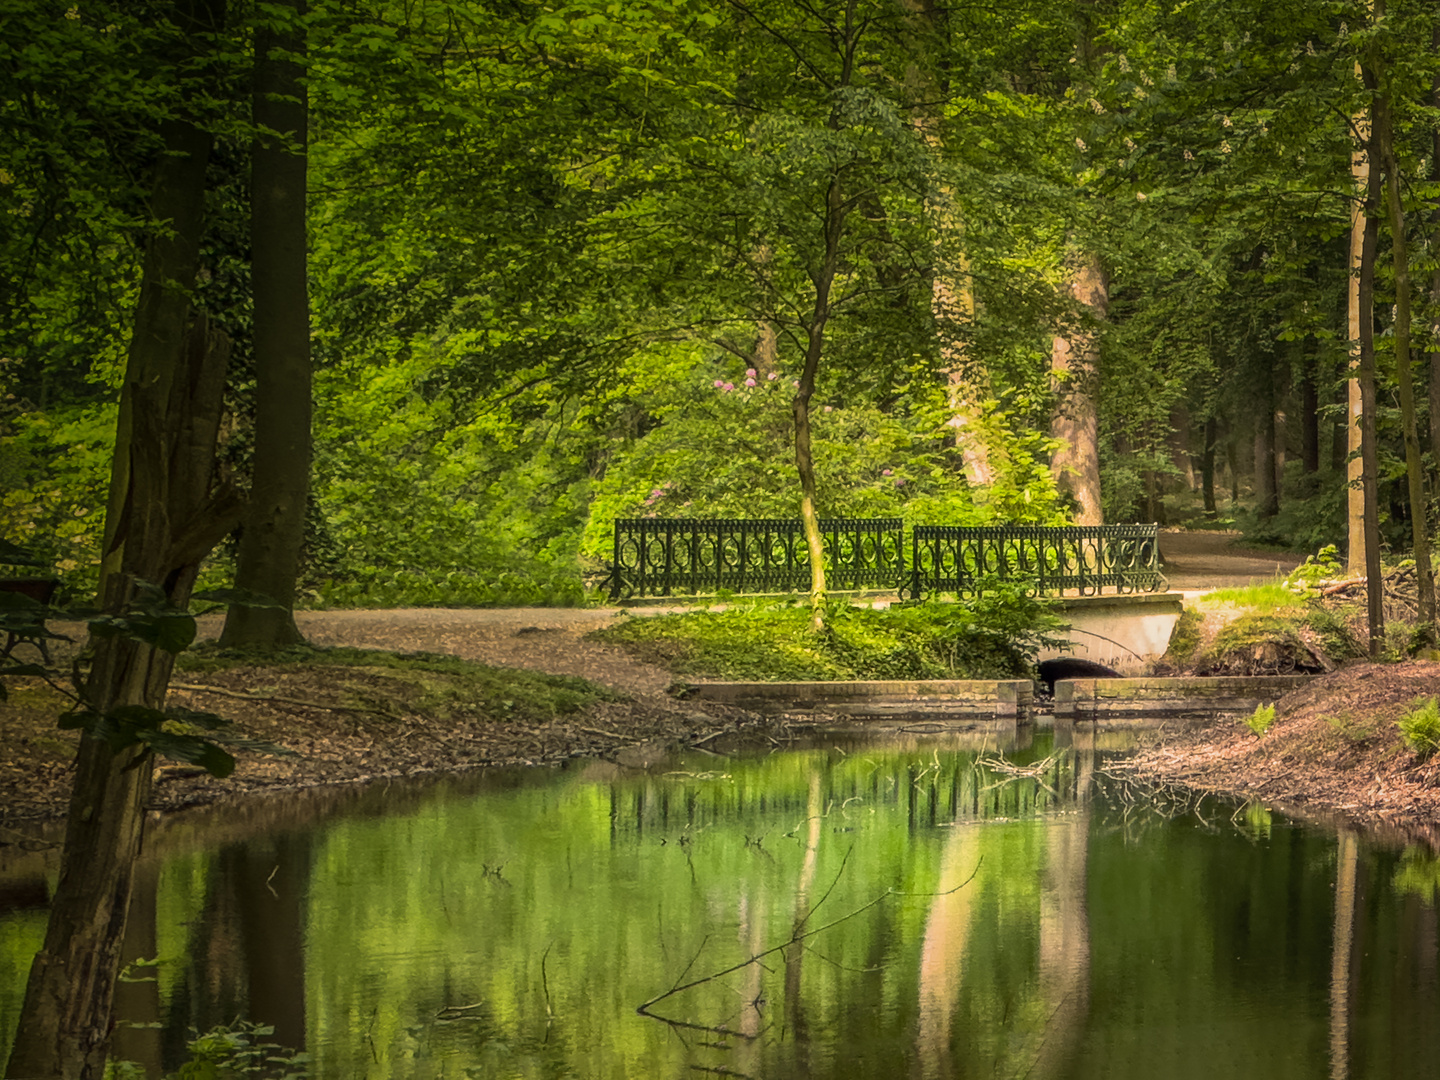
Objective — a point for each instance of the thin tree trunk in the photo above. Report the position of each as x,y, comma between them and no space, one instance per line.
1207,466
1267,465
814,349
1414,465
1434,384
163,519
1309,416
1074,363
269,559
1356,553
1369,454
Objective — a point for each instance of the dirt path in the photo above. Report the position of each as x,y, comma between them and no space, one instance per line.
1200,561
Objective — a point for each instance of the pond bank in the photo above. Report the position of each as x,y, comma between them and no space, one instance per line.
1334,749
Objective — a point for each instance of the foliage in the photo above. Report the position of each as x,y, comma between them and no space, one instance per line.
1260,720
1418,873
1421,726
228,1052
1317,570
998,636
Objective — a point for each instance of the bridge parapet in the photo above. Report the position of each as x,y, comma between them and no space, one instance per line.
704,556
1083,560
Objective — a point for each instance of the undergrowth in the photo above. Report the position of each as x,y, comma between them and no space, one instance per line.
996,637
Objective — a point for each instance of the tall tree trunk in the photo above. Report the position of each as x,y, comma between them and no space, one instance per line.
1434,384
1369,453
1414,464
814,348
1207,466
1355,405
1309,415
163,519
952,294
1074,363
1267,458
1179,444
269,559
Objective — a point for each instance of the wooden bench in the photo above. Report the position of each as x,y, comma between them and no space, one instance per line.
42,591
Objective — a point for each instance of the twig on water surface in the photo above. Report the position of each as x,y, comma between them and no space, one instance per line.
458,1012
796,936
545,983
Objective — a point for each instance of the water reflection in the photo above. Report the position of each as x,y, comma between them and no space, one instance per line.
931,910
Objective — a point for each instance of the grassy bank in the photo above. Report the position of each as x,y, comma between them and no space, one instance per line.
389,683
994,639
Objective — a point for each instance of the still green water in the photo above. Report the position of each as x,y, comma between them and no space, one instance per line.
947,918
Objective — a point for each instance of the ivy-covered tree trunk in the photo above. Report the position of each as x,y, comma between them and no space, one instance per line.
1414,464
164,518
1355,404
1075,363
1434,382
269,559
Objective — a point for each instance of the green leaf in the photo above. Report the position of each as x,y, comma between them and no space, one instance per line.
193,750
205,720
137,717
78,720
24,669
176,631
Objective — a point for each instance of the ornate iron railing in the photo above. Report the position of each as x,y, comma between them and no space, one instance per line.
703,556
1084,559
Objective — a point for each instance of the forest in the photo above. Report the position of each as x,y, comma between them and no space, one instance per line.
371,303
488,276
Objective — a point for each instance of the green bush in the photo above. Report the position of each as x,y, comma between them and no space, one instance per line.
1260,721
1421,726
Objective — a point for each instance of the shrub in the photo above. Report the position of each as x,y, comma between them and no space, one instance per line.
1421,726
1260,720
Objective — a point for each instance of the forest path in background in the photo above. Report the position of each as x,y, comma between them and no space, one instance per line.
1200,561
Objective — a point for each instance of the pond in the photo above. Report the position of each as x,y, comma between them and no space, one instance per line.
916,909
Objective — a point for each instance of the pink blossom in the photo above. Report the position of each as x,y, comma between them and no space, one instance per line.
773,376
749,382
750,373
899,481
719,383
795,383
728,387
886,472
829,409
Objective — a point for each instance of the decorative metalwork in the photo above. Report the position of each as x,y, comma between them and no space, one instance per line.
703,556
1052,561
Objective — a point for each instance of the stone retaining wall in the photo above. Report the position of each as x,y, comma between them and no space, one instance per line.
934,699
1087,699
